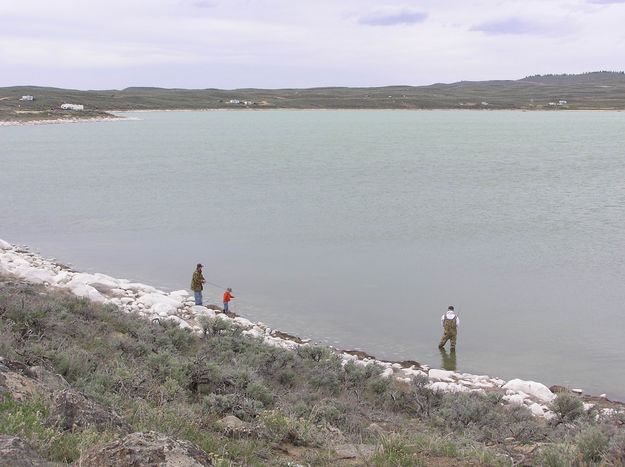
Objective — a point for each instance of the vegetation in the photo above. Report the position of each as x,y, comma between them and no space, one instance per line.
293,407
598,90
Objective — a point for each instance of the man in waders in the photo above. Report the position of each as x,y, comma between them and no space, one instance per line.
197,284
450,322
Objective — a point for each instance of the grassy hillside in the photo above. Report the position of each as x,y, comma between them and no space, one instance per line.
292,408
601,90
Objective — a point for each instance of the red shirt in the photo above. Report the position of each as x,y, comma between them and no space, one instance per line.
227,296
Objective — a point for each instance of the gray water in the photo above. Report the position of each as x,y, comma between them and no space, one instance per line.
354,228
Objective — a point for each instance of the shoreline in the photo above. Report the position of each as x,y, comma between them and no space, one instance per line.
113,117
54,121
147,302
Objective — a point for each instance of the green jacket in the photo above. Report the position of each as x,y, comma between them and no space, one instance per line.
197,281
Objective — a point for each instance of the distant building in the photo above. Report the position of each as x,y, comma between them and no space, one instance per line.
248,102
72,107
552,104
484,103
234,101
27,98
562,102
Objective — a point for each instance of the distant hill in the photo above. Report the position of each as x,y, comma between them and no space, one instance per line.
596,90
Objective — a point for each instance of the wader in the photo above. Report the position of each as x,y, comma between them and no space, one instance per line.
450,332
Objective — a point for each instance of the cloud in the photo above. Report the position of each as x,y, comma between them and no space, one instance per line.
393,18
204,4
511,26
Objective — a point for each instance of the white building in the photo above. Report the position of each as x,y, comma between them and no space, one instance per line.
27,98
562,102
234,101
72,107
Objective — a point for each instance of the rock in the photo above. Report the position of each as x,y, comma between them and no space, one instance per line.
149,448
72,411
50,382
85,291
182,294
37,276
537,410
354,451
5,245
447,387
232,424
516,399
15,452
441,375
532,388
387,373
577,391
19,382
558,389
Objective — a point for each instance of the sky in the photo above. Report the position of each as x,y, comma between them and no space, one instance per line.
114,44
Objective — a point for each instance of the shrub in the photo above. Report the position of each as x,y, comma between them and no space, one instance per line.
396,452
277,427
567,408
260,392
232,404
556,455
592,444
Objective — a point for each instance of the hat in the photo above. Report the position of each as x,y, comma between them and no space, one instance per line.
199,265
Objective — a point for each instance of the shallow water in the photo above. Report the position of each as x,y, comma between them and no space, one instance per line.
355,228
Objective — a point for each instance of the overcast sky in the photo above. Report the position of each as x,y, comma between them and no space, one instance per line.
113,44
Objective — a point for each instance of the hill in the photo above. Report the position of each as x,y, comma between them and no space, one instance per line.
88,383
590,91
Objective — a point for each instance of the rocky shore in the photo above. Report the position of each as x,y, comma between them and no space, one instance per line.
147,302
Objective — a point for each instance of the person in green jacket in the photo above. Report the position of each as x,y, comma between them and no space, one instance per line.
197,284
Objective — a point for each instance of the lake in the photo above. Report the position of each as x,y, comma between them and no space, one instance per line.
354,228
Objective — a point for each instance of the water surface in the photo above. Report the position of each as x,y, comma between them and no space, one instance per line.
355,228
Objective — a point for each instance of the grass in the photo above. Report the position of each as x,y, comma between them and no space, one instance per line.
163,378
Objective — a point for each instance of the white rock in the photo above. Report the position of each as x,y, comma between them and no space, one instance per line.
246,323
537,410
397,366
577,391
62,277
447,387
255,331
534,389
387,373
180,293
150,299
126,300
441,375
603,396
37,276
5,245
181,322
164,309
516,399
412,373
86,291
588,406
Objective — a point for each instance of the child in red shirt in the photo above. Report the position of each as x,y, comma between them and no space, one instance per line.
227,297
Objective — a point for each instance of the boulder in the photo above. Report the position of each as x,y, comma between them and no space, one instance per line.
5,245
15,452
149,448
72,411
441,375
354,451
532,388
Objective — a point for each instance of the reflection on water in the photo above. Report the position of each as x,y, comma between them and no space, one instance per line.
448,360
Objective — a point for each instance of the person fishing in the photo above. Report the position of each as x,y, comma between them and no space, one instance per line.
227,297
197,283
450,321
